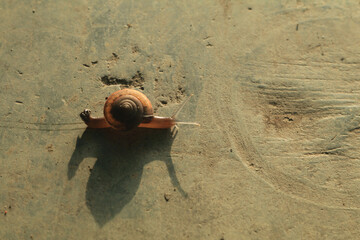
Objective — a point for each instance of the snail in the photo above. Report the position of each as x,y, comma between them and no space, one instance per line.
127,109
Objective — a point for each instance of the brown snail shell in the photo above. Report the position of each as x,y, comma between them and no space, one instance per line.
127,108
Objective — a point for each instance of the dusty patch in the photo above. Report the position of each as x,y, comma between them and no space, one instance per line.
135,81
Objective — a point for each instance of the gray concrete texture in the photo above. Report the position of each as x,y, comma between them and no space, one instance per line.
276,91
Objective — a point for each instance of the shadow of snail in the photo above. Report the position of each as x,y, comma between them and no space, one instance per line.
121,155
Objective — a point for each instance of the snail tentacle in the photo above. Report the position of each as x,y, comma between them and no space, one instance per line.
92,122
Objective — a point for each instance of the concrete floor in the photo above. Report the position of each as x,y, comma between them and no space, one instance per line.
276,91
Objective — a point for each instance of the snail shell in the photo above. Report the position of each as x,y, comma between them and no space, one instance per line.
127,108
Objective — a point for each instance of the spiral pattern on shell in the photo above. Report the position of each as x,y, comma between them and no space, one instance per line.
127,108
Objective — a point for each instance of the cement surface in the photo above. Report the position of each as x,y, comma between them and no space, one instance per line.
276,91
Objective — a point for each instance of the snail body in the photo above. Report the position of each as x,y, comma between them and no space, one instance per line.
127,109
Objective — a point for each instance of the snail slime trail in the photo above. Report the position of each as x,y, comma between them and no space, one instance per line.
40,126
